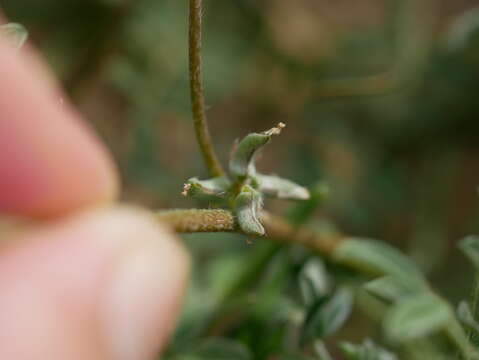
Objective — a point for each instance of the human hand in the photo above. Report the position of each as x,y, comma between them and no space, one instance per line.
95,280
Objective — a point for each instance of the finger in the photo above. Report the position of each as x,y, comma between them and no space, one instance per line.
104,285
50,163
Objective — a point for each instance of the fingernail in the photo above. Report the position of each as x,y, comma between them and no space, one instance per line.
144,296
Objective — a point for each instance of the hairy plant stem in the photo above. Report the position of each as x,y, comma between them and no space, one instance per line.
196,89
198,220
205,220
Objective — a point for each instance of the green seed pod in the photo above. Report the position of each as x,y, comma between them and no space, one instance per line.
243,155
280,188
248,205
215,188
16,33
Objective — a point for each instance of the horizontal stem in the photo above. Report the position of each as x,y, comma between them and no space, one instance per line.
280,230
198,220
215,220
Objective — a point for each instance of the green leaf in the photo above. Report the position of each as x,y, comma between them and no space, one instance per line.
378,258
368,350
429,348
387,288
280,188
313,281
15,32
464,314
243,155
327,315
210,189
463,29
296,356
416,316
248,205
455,332
221,349
470,247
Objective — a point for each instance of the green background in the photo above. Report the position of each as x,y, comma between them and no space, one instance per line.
380,99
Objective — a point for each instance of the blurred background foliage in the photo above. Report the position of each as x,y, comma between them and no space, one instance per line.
380,98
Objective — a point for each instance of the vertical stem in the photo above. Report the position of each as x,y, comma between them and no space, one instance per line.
196,88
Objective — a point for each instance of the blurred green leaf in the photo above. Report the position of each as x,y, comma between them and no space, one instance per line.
458,336
327,315
219,349
313,281
466,318
463,29
470,247
297,356
378,258
433,347
387,288
416,316
368,350
464,314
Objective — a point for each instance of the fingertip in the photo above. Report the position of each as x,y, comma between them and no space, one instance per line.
108,283
143,299
51,163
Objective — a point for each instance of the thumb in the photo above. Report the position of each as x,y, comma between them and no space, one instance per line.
102,285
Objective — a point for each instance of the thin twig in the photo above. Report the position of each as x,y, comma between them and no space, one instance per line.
196,88
205,220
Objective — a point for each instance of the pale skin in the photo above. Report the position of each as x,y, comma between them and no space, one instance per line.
92,279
